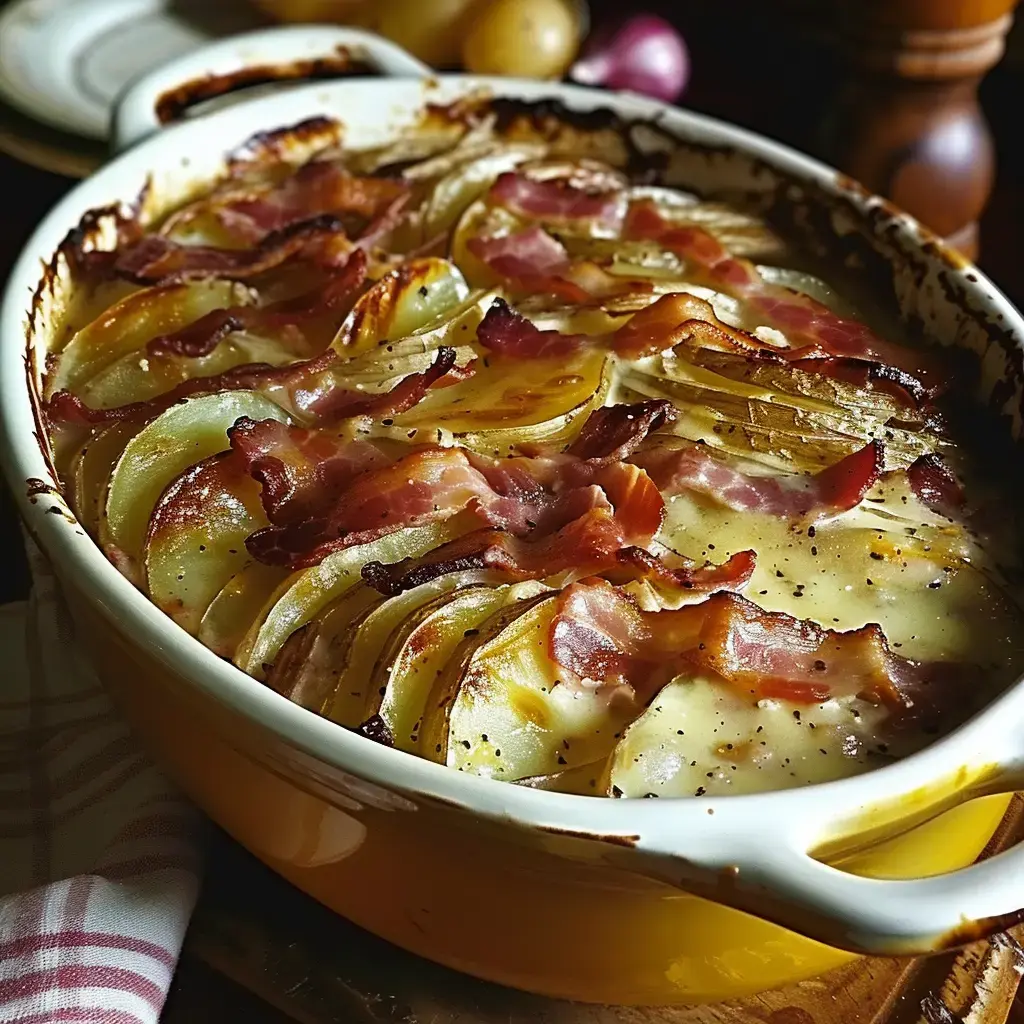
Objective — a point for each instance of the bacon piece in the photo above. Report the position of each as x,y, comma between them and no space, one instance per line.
157,260
302,472
384,223
616,431
600,636
836,489
584,543
338,403
508,333
694,244
316,189
807,324
935,486
531,261
202,336
732,574
525,254
421,487
589,545
554,200
519,495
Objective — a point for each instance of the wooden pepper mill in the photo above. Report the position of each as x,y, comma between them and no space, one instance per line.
906,121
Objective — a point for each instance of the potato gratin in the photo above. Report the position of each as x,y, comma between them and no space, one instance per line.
483,448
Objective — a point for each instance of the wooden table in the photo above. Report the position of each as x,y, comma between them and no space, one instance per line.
260,952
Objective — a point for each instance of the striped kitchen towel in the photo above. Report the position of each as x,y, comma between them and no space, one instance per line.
98,855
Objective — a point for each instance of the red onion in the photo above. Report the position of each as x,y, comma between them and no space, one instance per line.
643,54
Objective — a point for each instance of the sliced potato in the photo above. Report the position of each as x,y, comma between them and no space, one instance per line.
307,592
130,324
90,470
699,737
185,434
455,191
508,402
356,696
501,710
233,611
196,539
306,668
418,652
456,328
138,377
401,302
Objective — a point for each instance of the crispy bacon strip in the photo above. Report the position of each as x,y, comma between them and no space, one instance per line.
616,431
531,261
158,260
531,253
316,189
509,333
601,637
202,336
836,489
584,543
301,472
935,486
590,544
520,496
554,200
807,324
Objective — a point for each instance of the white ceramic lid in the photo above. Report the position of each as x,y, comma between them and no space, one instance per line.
63,62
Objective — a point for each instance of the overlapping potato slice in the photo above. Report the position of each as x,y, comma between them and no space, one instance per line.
185,434
138,377
307,666
356,696
510,402
128,325
90,469
304,594
233,611
583,780
418,652
388,362
196,539
500,709
401,302
699,737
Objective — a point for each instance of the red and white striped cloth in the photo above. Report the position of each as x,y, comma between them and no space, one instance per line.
99,863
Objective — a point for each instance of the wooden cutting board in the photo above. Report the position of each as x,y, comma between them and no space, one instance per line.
261,952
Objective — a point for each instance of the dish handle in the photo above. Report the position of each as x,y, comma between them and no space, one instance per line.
293,53
771,871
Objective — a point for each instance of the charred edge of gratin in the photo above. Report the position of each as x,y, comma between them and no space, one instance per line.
280,144
67,268
343,63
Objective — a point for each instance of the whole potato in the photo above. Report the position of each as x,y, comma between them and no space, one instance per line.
524,38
